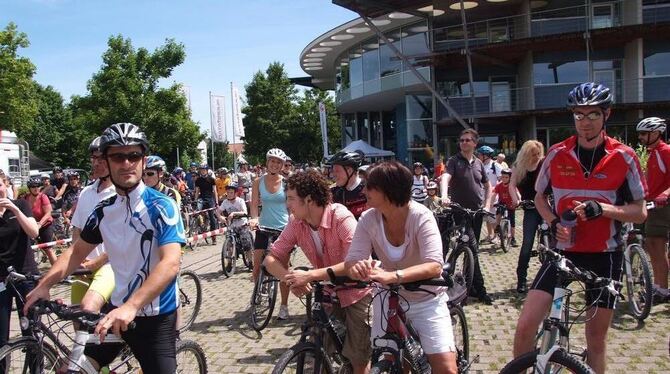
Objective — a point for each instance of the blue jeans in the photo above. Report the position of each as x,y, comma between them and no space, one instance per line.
531,221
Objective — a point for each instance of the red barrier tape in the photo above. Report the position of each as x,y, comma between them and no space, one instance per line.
200,211
51,244
204,235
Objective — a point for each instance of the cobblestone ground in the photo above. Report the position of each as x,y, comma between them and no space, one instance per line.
233,347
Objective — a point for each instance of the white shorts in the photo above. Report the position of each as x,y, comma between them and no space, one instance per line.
430,320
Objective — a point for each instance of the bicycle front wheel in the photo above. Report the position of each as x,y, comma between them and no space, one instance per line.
463,263
303,358
25,355
561,362
263,300
505,235
638,282
190,296
385,367
191,358
228,256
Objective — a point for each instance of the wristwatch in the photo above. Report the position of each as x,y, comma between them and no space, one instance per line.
399,274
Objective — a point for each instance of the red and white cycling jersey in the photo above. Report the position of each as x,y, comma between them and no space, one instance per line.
658,175
616,179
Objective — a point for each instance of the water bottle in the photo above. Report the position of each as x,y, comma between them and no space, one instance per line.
569,221
416,355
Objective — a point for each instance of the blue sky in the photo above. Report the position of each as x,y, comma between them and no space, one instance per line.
226,40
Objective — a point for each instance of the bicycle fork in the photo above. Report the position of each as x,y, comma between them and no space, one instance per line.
551,330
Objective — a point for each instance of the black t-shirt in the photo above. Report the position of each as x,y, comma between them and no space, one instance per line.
527,185
58,183
14,242
589,158
205,185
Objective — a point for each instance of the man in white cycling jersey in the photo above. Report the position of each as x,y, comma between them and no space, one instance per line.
143,234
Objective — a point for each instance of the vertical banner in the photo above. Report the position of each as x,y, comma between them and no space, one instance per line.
324,128
238,126
218,117
186,91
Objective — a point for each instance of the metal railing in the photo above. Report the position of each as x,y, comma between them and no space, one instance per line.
544,22
390,82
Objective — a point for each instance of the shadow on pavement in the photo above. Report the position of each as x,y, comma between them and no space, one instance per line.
237,323
271,357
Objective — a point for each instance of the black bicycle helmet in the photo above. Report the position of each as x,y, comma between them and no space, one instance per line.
344,158
34,182
57,169
95,145
232,186
123,134
590,94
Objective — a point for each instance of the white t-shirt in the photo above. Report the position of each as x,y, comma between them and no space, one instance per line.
493,171
88,199
317,242
234,206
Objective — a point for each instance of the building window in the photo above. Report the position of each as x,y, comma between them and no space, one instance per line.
375,129
415,40
363,126
356,69
344,75
419,106
555,74
419,120
656,58
349,126
389,131
370,61
389,63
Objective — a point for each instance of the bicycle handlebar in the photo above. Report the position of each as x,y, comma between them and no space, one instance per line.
585,276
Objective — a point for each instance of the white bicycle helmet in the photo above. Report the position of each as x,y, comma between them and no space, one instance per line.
276,153
651,124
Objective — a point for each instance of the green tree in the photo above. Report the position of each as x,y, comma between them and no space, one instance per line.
53,136
305,140
18,105
270,111
222,158
127,89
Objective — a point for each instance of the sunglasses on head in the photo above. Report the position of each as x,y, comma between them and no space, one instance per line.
150,173
121,157
592,116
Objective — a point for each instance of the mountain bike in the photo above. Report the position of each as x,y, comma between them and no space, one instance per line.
310,354
44,352
233,247
554,351
504,228
264,295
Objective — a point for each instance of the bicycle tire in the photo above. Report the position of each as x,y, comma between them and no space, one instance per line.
560,357
203,227
190,295
463,262
228,256
301,352
260,316
247,258
189,346
639,301
19,347
384,366
461,336
504,235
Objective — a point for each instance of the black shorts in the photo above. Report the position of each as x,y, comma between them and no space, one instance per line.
153,342
606,264
262,239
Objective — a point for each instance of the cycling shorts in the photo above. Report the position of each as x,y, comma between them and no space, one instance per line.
101,281
152,341
658,222
429,318
606,264
262,240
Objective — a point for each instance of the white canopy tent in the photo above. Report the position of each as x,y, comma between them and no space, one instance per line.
367,149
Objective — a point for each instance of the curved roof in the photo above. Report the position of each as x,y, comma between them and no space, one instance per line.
318,58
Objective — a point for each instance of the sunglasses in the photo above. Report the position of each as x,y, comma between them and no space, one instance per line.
150,173
592,116
466,140
122,157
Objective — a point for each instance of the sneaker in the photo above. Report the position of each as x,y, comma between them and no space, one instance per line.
283,313
521,287
486,240
514,243
660,295
485,298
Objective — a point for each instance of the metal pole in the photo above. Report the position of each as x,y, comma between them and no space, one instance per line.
178,164
411,67
466,46
232,112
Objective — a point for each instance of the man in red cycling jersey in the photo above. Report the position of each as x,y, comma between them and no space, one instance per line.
650,133
349,186
600,179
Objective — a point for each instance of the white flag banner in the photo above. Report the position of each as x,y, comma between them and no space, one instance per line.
238,126
324,128
186,91
218,117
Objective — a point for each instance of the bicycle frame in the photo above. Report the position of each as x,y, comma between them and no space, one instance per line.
396,329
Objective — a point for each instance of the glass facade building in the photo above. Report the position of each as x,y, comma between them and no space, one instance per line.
524,57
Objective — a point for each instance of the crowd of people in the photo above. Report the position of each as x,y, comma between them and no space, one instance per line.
372,223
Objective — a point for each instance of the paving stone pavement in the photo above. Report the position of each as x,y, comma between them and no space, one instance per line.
232,346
